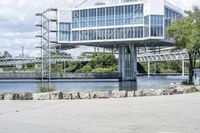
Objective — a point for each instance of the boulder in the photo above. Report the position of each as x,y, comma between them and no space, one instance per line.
67,95
198,88
102,94
25,96
138,93
56,95
170,91
189,89
1,96
74,95
148,92
84,95
130,93
41,96
158,92
118,94
11,96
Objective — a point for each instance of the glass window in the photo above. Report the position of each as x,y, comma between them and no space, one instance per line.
75,19
129,32
110,33
129,14
92,34
101,17
110,16
119,15
157,26
101,34
119,33
75,35
83,35
83,18
64,31
146,26
92,18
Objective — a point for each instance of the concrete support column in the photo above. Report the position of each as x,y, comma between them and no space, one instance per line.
155,69
123,71
133,60
183,68
149,63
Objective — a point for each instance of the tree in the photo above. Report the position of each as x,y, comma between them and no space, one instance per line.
186,33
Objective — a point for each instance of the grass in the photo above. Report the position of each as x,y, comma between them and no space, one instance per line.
45,88
186,82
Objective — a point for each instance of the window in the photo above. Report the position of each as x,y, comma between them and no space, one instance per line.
83,18
119,33
64,31
119,15
75,19
83,35
92,18
92,34
75,35
110,33
101,17
129,32
157,26
101,34
138,32
129,14
110,16
138,14
146,26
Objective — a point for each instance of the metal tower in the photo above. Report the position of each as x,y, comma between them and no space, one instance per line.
48,39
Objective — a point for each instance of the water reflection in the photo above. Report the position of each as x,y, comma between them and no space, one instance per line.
128,85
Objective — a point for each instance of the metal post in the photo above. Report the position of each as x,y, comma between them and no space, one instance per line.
183,68
149,68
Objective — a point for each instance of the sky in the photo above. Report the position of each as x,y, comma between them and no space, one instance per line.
17,21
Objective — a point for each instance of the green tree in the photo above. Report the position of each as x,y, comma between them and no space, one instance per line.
186,33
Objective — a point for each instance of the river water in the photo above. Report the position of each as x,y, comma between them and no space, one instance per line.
143,82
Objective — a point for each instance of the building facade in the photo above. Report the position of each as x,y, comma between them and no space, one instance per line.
129,20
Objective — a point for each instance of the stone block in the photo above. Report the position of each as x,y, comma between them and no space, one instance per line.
130,93
56,95
102,94
11,96
84,95
148,92
138,93
1,96
25,96
118,94
41,96
67,96
74,95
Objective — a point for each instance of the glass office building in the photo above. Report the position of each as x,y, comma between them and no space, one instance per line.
127,20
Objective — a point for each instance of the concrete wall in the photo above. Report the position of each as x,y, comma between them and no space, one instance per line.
30,75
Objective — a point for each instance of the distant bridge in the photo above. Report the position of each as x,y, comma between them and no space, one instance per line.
28,60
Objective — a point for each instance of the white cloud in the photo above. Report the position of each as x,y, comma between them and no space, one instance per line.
17,21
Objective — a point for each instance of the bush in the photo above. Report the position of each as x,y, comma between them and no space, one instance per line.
45,88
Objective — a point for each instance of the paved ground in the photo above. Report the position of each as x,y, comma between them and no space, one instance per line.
178,113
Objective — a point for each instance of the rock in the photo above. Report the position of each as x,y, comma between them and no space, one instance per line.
190,89
25,96
148,92
138,93
56,95
118,94
41,96
170,91
84,95
158,92
74,95
102,94
130,93
67,95
11,96
1,96
198,88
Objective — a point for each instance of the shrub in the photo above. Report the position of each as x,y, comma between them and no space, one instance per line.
45,88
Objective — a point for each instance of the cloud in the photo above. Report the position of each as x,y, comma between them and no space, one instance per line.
17,21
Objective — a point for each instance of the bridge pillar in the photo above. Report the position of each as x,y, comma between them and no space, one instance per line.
183,68
128,63
149,68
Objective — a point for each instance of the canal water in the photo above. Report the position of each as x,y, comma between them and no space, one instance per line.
143,82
